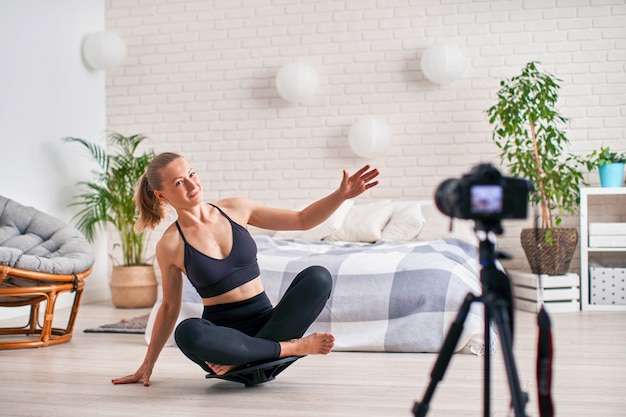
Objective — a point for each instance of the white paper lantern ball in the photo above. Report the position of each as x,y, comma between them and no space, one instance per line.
103,50
442,63
369,137
296,82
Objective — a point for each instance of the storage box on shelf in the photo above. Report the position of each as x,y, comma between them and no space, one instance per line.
608,286
600,287
560,292
607,235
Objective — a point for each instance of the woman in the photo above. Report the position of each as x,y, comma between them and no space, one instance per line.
210,244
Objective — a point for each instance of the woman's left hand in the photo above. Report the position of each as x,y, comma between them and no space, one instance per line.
354,185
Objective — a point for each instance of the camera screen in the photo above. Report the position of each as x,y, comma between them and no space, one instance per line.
486,199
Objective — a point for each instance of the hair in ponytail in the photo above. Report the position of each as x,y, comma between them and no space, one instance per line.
152,210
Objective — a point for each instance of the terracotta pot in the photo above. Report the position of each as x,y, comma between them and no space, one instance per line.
546,258
133,286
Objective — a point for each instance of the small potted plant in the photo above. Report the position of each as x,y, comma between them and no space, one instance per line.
109,199
527,128
610,166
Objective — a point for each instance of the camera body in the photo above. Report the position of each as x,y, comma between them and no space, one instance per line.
484,194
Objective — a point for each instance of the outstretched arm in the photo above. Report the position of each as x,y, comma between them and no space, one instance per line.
278,219
164,323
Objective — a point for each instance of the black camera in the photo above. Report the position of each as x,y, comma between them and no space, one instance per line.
484,194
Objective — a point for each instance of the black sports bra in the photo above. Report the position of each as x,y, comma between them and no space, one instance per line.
211,276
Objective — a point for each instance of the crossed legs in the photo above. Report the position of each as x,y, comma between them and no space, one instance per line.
261,332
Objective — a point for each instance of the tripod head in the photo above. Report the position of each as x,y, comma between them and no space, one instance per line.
485,229
489,225
496,284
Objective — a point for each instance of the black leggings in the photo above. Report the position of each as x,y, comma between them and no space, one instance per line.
250,330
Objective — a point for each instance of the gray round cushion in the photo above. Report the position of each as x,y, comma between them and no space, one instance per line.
35,241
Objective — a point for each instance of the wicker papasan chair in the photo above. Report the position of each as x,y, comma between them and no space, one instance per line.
41,257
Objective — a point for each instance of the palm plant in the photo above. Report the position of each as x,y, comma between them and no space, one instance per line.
110,197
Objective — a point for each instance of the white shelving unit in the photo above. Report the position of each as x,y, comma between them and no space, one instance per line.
587,252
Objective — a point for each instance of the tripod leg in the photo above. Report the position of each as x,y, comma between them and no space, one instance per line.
447,350
500,316
487,365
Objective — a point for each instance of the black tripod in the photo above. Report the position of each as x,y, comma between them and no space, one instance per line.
497,299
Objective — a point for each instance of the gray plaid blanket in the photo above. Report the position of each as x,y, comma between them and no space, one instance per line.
393,297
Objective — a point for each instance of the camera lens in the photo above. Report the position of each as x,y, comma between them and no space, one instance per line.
447,198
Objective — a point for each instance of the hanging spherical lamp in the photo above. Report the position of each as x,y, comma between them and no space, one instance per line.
369,137
296,81
442,63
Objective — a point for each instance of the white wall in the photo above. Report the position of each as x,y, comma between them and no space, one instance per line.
46,93
200,80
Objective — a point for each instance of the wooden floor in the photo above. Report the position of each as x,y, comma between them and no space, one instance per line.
73,379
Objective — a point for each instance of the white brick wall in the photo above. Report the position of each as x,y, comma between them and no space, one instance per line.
200,80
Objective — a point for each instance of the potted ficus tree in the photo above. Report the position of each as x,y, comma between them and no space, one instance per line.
610,166
527,128
109,199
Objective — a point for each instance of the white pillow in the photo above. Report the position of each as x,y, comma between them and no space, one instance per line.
438,225
322,230
406,222
364,223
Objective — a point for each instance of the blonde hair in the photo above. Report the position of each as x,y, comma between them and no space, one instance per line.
152,210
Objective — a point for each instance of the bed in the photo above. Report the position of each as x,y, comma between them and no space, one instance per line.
399,277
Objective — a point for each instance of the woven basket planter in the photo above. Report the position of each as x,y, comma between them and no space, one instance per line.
133,286
546,258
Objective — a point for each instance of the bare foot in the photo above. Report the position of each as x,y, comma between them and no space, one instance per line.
313,344
220,369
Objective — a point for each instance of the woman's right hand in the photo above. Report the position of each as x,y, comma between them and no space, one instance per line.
142,375
172,283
